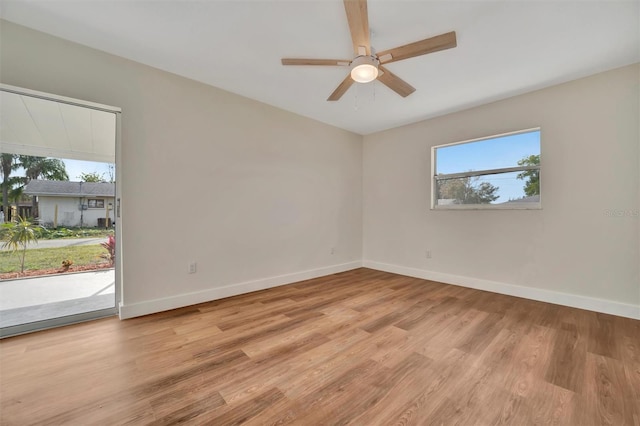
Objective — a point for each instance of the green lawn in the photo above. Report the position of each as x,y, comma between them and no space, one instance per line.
47,258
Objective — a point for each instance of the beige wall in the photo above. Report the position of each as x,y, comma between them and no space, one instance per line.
590,164
256,195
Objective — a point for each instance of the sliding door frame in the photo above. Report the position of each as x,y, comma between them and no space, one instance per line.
85,316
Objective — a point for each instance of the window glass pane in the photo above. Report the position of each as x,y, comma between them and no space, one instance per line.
487,154
520,187
96,203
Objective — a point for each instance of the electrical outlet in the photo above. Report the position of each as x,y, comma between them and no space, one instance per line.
427,254
193,267
333,250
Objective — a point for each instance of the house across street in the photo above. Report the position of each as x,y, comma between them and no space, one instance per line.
73,204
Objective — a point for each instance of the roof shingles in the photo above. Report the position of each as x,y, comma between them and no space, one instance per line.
58,188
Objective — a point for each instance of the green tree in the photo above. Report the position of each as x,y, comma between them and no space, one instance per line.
18,235
532,184
468,190
41,168
91,177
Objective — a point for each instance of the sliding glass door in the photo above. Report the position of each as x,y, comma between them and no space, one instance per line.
60,209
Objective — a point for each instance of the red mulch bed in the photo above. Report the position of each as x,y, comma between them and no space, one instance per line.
54,271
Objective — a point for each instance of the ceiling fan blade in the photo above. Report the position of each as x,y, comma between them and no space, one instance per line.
358,19
395,83
338,62
422,47
341,89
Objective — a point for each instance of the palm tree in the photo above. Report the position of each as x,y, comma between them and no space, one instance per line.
18,235
41,168
8,165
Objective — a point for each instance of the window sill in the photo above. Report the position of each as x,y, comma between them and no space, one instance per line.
510,206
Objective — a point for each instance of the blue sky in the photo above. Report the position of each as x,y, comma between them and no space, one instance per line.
75,167
491,154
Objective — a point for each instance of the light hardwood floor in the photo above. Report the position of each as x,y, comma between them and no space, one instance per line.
362,347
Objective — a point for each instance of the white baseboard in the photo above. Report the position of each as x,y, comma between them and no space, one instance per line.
558,298
187,299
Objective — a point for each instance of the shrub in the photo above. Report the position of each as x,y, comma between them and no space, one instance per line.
110,246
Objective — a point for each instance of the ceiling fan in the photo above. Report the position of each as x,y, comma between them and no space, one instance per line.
367,65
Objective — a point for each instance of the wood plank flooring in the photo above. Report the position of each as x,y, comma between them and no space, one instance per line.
362,348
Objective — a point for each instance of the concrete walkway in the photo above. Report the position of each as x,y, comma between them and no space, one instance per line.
35,299
54,288
63,243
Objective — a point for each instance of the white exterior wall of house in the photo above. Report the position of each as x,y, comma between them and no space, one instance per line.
69,213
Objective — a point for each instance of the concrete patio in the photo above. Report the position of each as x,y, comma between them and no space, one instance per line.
28,300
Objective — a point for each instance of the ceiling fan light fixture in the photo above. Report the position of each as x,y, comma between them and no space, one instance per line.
364,69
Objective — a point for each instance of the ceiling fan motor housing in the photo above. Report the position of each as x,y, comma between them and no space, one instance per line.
364,68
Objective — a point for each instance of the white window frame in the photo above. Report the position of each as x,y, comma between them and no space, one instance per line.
97,201
503,206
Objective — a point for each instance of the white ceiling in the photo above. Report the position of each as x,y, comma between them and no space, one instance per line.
504,48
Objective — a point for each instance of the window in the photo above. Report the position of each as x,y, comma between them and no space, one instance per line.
498,172
96,203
